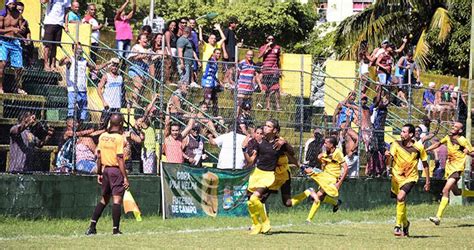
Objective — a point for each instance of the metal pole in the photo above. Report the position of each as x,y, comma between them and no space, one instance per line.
469,95
409,95
162,95
361,129
300,155
234,143
458,95
74,113
152,7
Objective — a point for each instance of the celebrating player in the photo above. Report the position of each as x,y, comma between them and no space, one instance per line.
458,148
329,180
406,154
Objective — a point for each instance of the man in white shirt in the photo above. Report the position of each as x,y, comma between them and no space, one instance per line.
53,26
226,143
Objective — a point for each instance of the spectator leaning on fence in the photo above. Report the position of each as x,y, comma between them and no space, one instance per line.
53,26
173,143
77,87
23,143
140,57
72,16
123,29
110,91
226,143
11,26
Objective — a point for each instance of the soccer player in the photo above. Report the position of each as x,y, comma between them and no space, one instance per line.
266,156
330,179
111,173
405,156
458,148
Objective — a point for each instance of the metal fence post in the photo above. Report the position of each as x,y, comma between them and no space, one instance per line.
74,114
162,95
458,96
300,156
361,129
234,143
410,101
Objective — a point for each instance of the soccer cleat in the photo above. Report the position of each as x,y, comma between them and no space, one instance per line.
397,231
435,220
406,229
308,222
336,207
256,229
266,226
91,231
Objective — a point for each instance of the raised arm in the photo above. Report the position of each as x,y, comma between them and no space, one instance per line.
188,128
221,33
120,10
400,49
201,39
134,10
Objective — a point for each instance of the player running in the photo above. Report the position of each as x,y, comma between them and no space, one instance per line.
330,179
458,149
405,156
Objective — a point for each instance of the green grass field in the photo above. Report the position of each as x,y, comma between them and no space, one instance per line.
345,229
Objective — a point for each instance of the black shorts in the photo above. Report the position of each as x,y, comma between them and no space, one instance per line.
271,79
52,32
407,188
112,182
456,175
285,189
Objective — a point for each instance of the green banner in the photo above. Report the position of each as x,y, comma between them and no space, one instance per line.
191,192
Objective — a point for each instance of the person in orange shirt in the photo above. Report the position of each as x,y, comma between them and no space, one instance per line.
111,173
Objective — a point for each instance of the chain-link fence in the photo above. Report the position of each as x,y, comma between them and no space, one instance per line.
206,113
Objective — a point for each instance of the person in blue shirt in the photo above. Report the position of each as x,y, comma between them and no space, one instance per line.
209,81
72,16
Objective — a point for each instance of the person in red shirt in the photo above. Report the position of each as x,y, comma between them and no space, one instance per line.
270,54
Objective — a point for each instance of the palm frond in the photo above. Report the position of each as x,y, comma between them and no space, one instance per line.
442,21
420,54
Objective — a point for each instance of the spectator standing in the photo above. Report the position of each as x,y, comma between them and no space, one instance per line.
210,82
27,44
229,51
23,143
11,27
195,41
270,54
352,162
175,108
157,49
441,156
90,18
226,143
123,29
312,148
246,80
186,55
110,91
148,154
193,147
244,119
183,23
140,56
173,143
212,44
53,27
72,16
77,91
170,50
384,65
428,100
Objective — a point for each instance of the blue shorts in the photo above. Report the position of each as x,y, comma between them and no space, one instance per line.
10,50
384,78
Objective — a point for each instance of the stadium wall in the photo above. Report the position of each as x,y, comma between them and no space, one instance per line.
62,196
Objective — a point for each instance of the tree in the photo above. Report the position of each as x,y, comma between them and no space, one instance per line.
394,19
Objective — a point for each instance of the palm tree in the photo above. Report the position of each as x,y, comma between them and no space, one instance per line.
394,19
